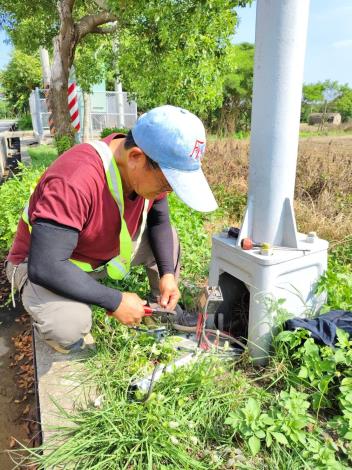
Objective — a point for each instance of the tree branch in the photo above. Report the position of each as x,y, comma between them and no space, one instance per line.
89,23
107,30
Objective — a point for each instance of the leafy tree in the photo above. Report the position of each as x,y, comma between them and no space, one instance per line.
312,96
177,53
327,96
64,24
343,103
170,51
94,61
235,112
22,74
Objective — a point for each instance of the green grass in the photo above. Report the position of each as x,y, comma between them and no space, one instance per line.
243,135
327,132
42,155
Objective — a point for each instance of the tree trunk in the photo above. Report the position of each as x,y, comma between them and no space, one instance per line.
86,120
65,43
64,49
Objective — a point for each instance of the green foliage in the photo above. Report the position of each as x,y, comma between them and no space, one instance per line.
5,110
197,417
95,60
14,195
24,122
343,104
313,93
327,96
320,369
284,423
30,25
194,239
235,112
325,374
343,423
337,283
176,52
183,417
232,203
20,77
64,143
111,130
42,155
341,254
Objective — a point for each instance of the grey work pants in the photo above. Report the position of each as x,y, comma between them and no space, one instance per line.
65,320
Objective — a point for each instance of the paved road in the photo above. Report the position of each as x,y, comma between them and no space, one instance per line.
5,124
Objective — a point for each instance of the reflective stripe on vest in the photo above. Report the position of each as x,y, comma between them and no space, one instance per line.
117,267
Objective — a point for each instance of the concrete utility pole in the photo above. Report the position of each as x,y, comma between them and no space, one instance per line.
280,43
291,269
120,107
44,59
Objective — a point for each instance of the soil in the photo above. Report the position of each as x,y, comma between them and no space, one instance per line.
18,412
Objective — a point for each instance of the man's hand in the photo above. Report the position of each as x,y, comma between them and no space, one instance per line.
130,310
169,292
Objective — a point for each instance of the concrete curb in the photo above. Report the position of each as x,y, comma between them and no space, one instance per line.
62,381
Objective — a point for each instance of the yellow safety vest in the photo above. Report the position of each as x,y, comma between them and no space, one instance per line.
117,267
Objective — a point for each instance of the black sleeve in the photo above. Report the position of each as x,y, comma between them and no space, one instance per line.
160,236
51,247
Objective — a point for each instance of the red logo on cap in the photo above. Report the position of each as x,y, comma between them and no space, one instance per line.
198,150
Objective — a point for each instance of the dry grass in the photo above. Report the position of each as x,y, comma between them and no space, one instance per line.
323,196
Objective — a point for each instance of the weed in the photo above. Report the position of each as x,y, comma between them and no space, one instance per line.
336,282
64,143
24,122
111,130
42,155
14,195
213,414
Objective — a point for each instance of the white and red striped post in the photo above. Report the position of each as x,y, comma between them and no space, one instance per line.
73,105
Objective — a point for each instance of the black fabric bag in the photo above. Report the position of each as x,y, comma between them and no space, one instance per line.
323,328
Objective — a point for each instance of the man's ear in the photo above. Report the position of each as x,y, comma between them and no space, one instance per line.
136,158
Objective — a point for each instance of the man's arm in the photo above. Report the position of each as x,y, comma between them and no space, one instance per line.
160,236
161,241
52,245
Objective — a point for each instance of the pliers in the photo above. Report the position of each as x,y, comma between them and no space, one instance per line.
149,312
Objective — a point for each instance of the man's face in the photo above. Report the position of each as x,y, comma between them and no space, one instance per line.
147,181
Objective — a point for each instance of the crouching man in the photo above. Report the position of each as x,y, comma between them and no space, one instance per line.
99,209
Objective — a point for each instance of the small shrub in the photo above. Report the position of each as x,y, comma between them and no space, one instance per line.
338,286
42,155
24,122
14,195
64,143
111,130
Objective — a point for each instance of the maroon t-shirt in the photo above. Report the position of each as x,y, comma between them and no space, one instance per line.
73,191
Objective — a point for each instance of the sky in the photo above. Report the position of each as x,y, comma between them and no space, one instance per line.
329,44
329,40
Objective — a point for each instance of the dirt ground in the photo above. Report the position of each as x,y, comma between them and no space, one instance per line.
17,399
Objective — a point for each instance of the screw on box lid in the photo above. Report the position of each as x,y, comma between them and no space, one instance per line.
266,249
311,237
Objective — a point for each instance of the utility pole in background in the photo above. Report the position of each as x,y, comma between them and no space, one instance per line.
120,108
46,71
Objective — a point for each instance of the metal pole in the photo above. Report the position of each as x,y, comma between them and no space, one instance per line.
120,107
280,41
44,59
38,113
